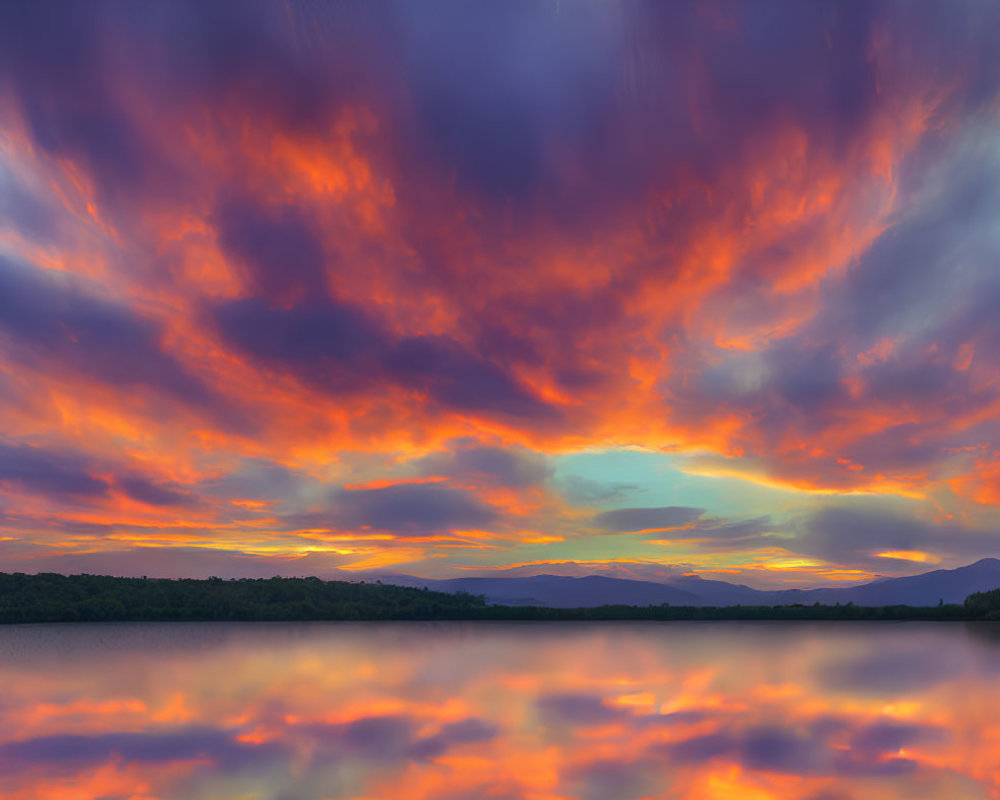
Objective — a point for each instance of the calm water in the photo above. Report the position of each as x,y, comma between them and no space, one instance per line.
463,711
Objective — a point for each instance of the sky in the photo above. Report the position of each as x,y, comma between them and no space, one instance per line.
451,288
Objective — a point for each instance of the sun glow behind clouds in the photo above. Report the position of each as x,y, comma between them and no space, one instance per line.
910,555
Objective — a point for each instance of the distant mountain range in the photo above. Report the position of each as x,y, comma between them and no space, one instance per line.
557,591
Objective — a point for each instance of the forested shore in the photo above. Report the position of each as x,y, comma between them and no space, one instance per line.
49,597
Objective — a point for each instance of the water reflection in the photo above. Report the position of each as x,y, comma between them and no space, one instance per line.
533,712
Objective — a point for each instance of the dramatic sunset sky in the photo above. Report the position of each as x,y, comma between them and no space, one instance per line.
441,288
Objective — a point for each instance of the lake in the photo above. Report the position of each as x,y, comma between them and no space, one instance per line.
461,711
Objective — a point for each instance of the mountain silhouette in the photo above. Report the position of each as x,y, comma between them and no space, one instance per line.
559,591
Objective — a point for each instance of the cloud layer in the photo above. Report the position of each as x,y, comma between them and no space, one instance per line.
352,280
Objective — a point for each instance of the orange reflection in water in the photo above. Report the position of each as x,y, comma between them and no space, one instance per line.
452,711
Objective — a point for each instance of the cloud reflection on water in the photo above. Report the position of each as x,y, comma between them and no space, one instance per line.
517,712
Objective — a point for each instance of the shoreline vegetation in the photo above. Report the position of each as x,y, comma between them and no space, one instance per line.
51,597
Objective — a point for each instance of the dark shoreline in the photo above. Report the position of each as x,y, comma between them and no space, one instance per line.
50,597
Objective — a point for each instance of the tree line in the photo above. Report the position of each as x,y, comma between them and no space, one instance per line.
50,597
